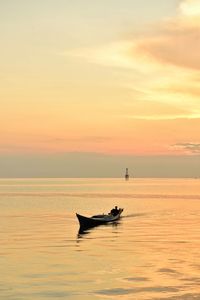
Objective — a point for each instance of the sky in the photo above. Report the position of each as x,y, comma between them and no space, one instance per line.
89,88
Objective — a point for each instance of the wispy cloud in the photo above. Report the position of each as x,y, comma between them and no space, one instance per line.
163,63
174,42
164,117
176,46
190,148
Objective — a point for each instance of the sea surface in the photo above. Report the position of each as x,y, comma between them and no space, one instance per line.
153,252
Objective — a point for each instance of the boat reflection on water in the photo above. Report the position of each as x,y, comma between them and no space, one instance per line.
83,231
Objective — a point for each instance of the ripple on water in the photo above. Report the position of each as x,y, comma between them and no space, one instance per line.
168,271
151,254
191,280
123,291
188,296
137,279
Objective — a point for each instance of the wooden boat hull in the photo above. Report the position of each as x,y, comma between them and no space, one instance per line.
86,222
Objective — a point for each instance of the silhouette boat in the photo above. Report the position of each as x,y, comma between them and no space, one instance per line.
88,222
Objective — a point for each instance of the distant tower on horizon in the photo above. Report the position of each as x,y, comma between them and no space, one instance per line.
126,175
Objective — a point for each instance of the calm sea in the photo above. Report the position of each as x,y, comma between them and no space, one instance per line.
153,252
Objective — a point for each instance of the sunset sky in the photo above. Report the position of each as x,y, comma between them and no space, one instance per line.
91,87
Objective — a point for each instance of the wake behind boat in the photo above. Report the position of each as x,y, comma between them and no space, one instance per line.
87,222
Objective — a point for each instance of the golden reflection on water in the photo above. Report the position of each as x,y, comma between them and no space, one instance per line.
151,253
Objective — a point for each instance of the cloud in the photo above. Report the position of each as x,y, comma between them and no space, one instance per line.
113,54
175,42
162,63
155,110
191,89
175,46
190,148
164,117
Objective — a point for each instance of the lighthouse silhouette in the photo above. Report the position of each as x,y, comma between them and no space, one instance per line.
126,175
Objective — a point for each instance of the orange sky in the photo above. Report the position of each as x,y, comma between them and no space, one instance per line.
77,79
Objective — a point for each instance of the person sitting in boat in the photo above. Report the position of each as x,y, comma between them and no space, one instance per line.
114,211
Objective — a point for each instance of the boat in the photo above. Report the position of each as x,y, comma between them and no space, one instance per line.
88,222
